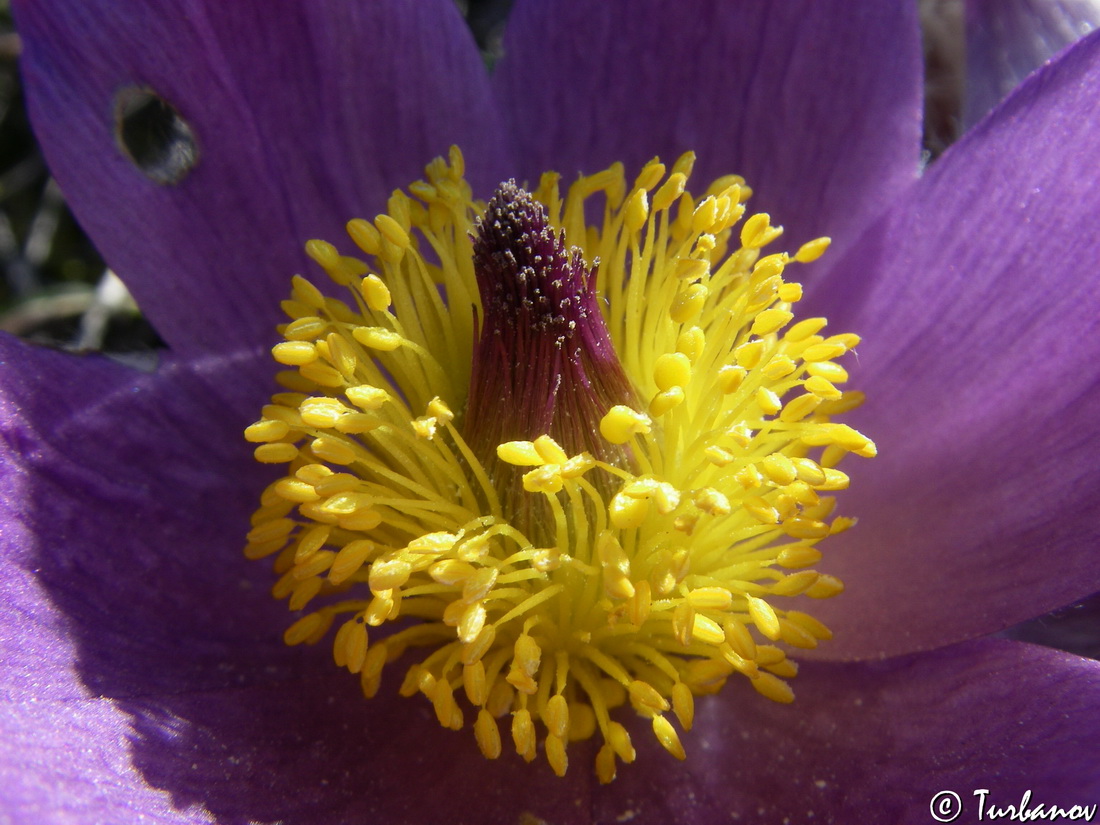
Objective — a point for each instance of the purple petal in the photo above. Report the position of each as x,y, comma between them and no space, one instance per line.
1006,40
304,114
70,762
870,742
816,103
978,302
875,742
126,500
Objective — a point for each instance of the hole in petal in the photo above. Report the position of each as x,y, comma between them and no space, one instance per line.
153,136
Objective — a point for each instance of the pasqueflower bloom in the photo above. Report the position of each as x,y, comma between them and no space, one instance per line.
145,676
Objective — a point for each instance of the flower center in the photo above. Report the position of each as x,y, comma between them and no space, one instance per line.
561,487
544,363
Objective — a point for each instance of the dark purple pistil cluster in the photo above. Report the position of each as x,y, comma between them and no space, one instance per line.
544,362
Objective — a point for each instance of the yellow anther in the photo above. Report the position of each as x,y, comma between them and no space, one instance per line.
801,527
809,624
664,402
789,292
305,329
321,412
691,343
688,303
739,638
834,480
577,466
779,468
731,377
621,423
627,512
375,293
477,586
828,370
605,765
673,369
749,477
636,210
799,407
670,192
297,491
640,603
757,231
691,269
349,560
718,456
768,401
549,450
451,571
386,575
798,555
557,716
804,329
683,623
432,543
774,688
546,479
487,734
306,293
323,253
619,740
770,320
707,630
364,234
333,450
392,231
520,453
355,646
314,565
763,616
474,684
294,353
812,250
760,510
713,502
555,754
523,734
474,649
647,696
705,215
304,629
667,736
366,397
275,453
683,705
650,175
471,622
823,352
379,338
528,654
711,598
748,354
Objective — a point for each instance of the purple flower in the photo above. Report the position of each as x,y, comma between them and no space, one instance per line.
145,678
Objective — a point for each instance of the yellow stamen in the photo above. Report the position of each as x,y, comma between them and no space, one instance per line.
537,579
